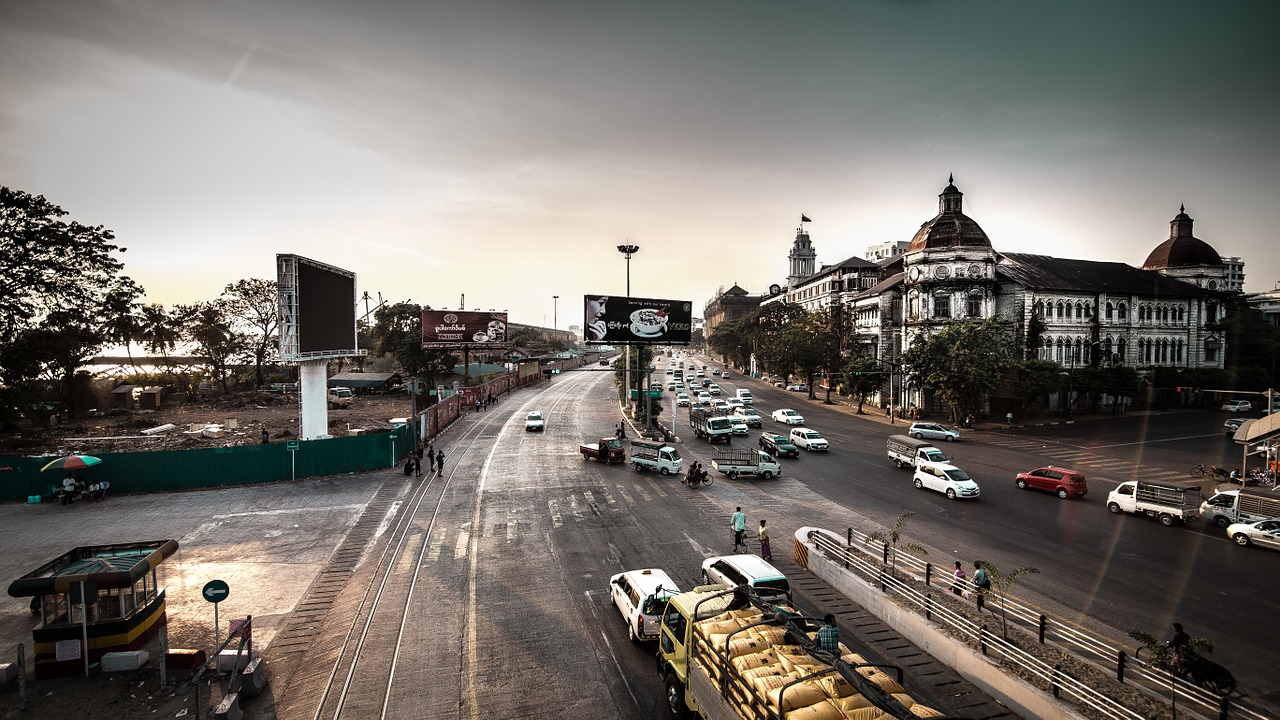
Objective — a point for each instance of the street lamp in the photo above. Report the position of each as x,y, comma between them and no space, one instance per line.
555,305
628,251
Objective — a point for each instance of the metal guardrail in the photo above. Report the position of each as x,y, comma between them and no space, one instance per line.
870,560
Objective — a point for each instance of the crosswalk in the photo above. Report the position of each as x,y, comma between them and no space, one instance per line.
1115,469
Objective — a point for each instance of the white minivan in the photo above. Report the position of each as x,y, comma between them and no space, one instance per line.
733,570
641,596
744,396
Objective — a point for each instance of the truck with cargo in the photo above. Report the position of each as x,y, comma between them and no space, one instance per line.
1168,502
607,450
725,654
906,451
655,456
711,425
1237,506
748,461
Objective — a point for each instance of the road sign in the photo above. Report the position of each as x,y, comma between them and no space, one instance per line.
291,446
215,591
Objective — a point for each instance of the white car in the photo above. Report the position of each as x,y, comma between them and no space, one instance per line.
948,479
682,400
749,416
714,389
704,397
534,421
641,596
1237,406
933,431
1264,533
798,387
788,416
719,404
739,425
734,403
810,440
724,373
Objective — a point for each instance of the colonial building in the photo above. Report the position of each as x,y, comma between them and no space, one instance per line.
727,307
1074,312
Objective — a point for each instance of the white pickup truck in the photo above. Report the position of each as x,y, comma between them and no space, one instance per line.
746,462
655,456
906,451
1170,503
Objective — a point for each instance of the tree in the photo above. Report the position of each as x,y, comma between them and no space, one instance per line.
122,323
161,330
894,540
1162,657
63,341
1001,582
963,362
1032,380
862,376
213,332
255,304
397,331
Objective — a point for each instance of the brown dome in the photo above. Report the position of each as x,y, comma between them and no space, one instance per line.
950,227
1182,249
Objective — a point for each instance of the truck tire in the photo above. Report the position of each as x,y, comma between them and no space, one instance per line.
664,472
733,474
1113,508
767,474
1222,521
675,698
897,463
1167,520
636,466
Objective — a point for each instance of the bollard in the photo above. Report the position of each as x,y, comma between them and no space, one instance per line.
1120,658
1057,669
1224,707
22,677
928,606
982,638
885,554
1043,622
848,537
928,574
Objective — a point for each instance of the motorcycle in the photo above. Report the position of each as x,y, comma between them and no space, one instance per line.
696,476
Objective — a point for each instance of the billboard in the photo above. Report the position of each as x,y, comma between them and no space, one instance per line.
317,309
459,329
621,320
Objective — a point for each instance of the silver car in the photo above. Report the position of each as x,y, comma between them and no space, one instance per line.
1264,533
933,431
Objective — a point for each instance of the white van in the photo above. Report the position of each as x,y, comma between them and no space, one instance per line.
734,570
745,396
641,596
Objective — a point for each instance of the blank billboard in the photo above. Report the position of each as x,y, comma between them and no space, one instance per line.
317,308
621,320
459,329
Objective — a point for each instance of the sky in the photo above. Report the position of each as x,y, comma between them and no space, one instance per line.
500,150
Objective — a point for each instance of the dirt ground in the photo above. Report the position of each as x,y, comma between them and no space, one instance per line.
242,416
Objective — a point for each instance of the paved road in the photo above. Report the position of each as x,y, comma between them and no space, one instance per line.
1112,573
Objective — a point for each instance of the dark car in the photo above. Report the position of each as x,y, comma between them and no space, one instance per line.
1066,483
778,445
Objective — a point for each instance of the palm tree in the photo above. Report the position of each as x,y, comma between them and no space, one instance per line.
123,323
1001,582
160,331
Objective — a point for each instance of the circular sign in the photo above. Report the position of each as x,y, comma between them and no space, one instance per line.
215,591
942,272
975,270
914,273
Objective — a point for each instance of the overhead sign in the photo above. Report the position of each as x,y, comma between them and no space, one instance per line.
459,329
622,320
215,591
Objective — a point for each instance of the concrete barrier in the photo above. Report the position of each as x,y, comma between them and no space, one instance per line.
254,679
125,661
1021,697
8,673
229,708
231,661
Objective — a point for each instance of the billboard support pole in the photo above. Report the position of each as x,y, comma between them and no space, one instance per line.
313,383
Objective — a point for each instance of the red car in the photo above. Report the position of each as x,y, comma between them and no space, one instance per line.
1066,483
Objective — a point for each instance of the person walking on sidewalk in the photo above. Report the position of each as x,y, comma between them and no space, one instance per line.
765,552
431,459
957,586
981,583
739,524
440,461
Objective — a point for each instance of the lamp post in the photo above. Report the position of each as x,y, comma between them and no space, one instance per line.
555,305
628,251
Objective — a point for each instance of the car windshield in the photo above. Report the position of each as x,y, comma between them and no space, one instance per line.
535,416
957,475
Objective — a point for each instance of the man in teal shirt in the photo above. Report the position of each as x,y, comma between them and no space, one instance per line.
739,524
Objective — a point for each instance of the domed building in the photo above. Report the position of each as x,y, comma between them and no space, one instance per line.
1075,312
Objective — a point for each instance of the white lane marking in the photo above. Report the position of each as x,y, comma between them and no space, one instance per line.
460,547
574,509
512,525
433,553
554,507
625,496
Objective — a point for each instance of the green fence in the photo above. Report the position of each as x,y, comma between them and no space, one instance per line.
142,472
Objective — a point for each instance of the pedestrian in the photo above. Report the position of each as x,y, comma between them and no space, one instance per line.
477,404
422,446
417,467
765,552
739,524
266,436
957,586
1008,418
440,461
829,635
431,459
981,583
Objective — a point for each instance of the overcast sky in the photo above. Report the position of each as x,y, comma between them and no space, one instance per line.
502,149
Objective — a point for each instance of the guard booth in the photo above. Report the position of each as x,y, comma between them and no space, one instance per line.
95,600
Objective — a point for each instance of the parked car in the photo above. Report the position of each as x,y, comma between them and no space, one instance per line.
1066,483
779,383
682,399
533,421
798,387
1237,406
778,445
810,440
948,479
1230,427
1264,533
641,596
933,431
788,416
734,570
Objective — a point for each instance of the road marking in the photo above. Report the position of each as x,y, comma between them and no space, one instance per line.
591,502
554,507
460,547
608,498
512,525
656,487
1152,442
574,509
625,496
433,553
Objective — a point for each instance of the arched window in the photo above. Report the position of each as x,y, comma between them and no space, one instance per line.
1181,345
1060,310
1122,351
1079,311
1111,311
1122,312
1106,349
1077,353
1039,309
1088,311
1058,351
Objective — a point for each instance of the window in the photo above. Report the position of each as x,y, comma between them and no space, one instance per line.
1079,311
1121,312
1110,311
942,306
1039,310
975,305
1062,310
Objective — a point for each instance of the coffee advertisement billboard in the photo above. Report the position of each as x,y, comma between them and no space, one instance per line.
618,320
459,329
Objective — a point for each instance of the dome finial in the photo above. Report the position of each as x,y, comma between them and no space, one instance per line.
1182,208
951,178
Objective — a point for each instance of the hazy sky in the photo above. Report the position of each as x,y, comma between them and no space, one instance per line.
503,149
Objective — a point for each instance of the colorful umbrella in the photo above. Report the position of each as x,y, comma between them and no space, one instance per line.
71,462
